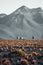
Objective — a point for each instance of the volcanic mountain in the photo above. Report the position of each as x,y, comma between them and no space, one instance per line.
23,22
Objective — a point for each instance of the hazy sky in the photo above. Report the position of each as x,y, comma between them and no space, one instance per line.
8,6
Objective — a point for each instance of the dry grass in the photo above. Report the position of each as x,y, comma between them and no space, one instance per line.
21,42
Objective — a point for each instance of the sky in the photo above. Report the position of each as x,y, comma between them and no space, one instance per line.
8,6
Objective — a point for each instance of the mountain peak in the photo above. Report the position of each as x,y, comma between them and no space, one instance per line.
24,7
39,9
2,15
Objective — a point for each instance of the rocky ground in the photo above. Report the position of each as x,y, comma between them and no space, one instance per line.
21,54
